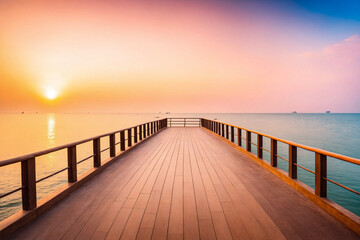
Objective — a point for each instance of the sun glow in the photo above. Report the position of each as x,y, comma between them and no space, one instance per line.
51,93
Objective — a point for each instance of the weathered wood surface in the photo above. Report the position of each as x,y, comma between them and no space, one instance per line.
185,183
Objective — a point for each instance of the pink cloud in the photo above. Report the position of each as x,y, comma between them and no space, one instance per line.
333,75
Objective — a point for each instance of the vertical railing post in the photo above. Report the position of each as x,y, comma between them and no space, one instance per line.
122,140
28,180
135,134
320,175
222,130
148,129
97,152
248,141
129,137
140,133
219,130
292,162
72,166
144,130
112,145
239,136
232,134
170,122
273,151
227,131
184,122
259,146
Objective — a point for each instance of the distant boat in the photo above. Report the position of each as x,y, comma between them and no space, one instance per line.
215,118
294,112
327,112
157,117
167,112
22,112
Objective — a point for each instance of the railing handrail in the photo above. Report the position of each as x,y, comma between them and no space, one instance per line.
28,162
309,148
319,193
57,148
184,122
183,118
320,155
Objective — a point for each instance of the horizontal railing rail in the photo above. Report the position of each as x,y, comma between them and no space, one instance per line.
28,167
183,122
229,132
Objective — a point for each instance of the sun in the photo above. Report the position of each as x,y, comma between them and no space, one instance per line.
51,93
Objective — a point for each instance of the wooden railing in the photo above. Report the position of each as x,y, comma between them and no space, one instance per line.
183,122
231,132
130,135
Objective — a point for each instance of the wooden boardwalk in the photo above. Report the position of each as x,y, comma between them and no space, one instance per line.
185,183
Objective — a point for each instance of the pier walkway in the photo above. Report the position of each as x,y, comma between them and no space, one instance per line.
185,183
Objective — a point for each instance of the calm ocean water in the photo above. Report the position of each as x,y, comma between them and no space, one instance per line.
26,133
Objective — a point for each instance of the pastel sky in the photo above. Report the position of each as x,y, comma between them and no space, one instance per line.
180,56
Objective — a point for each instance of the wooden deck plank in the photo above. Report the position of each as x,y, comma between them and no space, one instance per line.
191,225
144,187
148,221
122,218
206,225
256,221
221,227
163,213
176,220
185,183
133,183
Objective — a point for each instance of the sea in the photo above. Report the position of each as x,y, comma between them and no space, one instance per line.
30,132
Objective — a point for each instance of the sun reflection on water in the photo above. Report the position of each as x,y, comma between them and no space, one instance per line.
51,130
